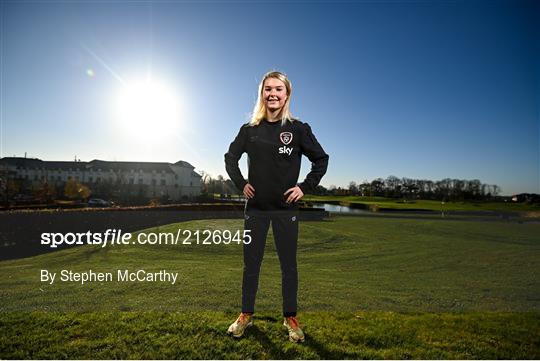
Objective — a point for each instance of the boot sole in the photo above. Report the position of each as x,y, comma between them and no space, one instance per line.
295,341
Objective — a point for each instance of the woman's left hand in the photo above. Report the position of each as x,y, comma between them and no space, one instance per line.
295,194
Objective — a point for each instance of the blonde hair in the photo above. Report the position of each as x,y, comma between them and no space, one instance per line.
259,111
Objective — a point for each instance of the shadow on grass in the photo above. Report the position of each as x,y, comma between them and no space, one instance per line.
267,318
325,353
274,351
277,351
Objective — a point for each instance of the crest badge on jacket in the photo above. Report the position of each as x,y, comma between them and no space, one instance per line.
285,137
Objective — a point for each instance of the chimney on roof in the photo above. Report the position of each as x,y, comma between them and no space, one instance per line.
25,155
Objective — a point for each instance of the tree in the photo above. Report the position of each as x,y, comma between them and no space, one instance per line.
75,190
377,187
220,183
320,190
353,188
206,182
363,188
393,185
46,192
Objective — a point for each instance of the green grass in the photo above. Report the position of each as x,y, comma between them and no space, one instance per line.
201,335
346,263
369,288
424,204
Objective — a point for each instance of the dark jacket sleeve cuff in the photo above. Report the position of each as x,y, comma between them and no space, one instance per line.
242,185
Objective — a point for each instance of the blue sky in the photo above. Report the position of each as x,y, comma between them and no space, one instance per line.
418,89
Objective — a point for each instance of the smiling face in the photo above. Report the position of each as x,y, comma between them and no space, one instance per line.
274,93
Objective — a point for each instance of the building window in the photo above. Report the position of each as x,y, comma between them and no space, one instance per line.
98,179
191,183
163,182
153,182
90,179
131,180
140,181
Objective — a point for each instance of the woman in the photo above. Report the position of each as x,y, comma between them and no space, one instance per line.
274,142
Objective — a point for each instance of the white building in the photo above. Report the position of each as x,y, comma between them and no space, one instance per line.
176,181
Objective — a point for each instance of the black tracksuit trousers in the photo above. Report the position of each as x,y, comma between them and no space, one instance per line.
285,229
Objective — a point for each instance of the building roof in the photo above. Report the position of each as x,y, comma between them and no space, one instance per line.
22,162
35,163
184,164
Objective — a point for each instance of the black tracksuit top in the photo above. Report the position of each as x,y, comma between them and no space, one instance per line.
274,159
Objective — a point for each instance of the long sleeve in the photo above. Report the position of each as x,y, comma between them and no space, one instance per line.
236,149
319,160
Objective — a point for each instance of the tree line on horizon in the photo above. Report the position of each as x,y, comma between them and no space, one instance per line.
391,187
444,189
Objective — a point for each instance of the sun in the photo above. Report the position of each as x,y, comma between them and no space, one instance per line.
147,108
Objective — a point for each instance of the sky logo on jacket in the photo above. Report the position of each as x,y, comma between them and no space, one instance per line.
286,138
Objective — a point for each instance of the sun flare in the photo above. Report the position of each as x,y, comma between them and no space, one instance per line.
147,108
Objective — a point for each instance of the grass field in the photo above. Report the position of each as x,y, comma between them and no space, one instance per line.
200,335
369,288
424,204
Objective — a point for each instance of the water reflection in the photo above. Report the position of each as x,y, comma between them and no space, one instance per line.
340,209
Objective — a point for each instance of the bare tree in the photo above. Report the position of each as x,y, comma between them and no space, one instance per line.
353,188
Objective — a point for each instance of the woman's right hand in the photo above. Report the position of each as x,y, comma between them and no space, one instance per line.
249,191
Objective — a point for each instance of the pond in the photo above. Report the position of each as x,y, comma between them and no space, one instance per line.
340,209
